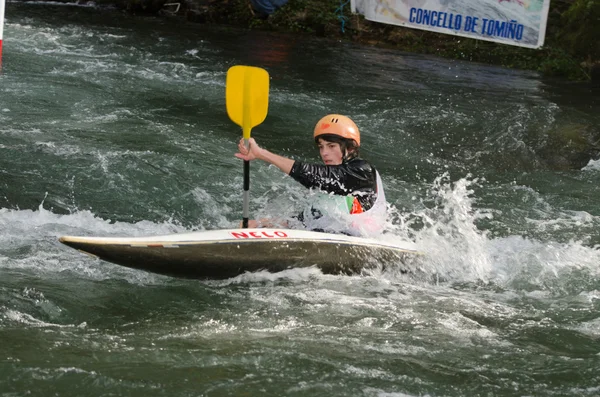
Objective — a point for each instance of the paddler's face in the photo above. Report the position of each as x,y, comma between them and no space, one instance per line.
331,153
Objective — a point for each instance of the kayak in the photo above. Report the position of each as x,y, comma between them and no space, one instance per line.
222,254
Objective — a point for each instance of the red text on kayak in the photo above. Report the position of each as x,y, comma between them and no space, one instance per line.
259,234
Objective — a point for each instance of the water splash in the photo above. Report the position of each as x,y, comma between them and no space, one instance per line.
457,250
593,165
445,230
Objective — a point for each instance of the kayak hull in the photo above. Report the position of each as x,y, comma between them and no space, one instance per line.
229,253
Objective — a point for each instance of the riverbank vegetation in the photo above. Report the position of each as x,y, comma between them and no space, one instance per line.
571,50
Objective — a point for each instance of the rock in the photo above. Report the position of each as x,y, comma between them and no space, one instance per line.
595,73
571,147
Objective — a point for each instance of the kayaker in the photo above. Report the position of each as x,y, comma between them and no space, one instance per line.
352,199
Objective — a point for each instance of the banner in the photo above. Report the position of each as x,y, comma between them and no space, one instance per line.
515,22
2,2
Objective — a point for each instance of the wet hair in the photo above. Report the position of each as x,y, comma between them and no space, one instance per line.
348,146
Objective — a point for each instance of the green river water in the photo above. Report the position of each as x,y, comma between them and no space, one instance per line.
113,125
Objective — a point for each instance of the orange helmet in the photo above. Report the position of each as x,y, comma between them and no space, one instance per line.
336,124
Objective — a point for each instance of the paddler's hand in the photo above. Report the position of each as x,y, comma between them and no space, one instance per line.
251,153
256,152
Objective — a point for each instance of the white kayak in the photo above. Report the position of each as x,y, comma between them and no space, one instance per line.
221,254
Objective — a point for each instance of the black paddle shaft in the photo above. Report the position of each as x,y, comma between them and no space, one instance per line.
246,193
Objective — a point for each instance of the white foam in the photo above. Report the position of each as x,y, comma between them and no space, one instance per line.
370,391
87,4
36,233
29,320
592,165
455,248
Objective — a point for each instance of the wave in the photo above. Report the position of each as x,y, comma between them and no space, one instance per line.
455,249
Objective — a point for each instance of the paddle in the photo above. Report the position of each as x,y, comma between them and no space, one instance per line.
247,98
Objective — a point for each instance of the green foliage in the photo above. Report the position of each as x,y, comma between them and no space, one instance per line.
301,16
572,40
581,32
143,6
558,63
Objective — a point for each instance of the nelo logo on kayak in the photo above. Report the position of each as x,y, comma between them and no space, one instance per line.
261,234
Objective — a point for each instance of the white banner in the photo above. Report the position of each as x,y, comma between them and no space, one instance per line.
1,18
515,22
2,2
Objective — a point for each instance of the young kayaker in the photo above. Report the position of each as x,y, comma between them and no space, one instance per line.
353,201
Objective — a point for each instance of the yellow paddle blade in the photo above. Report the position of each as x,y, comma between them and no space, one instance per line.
247,96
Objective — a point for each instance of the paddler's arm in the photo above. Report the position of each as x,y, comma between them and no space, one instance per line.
256,152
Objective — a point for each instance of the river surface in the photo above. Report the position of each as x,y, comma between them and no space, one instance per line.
114,125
